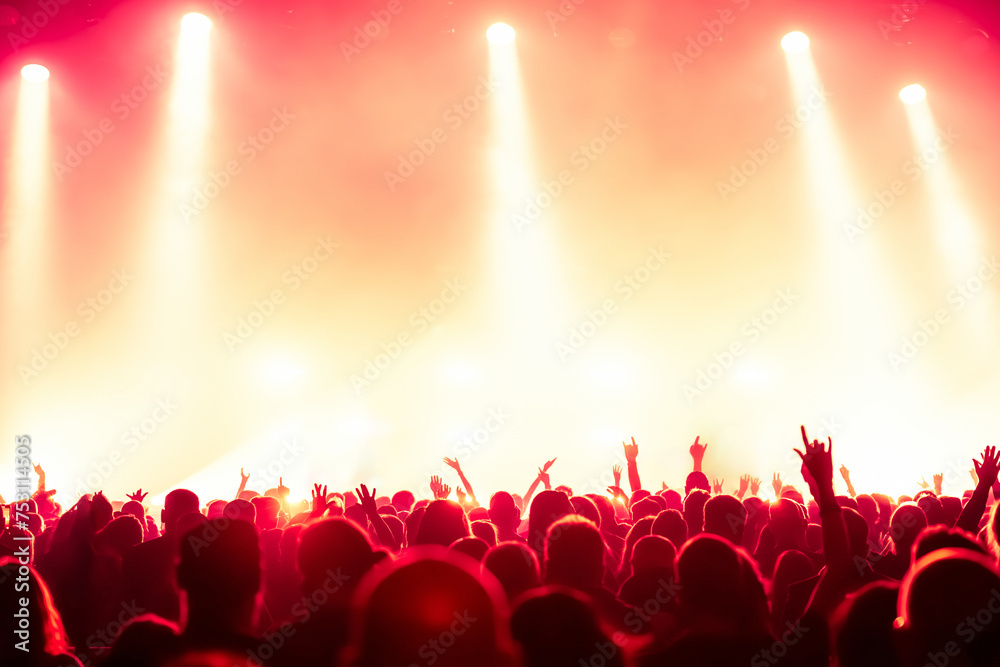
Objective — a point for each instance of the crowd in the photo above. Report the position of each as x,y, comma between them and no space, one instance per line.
691,576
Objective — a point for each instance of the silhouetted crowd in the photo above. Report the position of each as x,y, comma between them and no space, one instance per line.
691,576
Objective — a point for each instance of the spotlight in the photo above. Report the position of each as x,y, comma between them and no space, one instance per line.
196,22
34,73
913,94
500,33
795,42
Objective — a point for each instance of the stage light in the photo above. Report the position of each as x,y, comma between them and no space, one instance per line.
196,23
795,42
35,73
500,33
913,94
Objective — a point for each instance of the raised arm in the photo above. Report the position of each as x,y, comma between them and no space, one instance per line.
543,476
987,472
846,474
243,483
817,470
631,452
41,477
457,467
367,502
697,451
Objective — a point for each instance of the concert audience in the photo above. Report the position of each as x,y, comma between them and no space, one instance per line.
691,578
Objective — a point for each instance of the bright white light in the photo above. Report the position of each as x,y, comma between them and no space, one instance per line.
795,42
35,73
196,23
913,94
500,33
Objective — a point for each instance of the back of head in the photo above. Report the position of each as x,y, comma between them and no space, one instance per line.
266,511
933,538
904,526
696,480
558,627
220,563
586,508
403,500
433,605
726,517
653,553
444,521
178,503
605,508
694,510
719,582
485,531
334,548
547,508
515,566
241,510
120,534
786,519
503,511
673,499
473,547
644,507
863,627
671,525
574,553
948,605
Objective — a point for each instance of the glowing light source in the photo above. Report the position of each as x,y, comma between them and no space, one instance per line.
196,23
913,94
500,33
795,42
35,73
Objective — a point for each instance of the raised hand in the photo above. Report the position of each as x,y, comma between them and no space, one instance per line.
923,484
435,485
444,492
616,471
243,478
460,495
717,486
975,477
776,485
697,451
938,481
38,469
665,487
617,492
453,464
365,499
817,464
754,485
318,499
845,473
988,469
744,485
544,478
548,464
138,496
283,490
631,451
